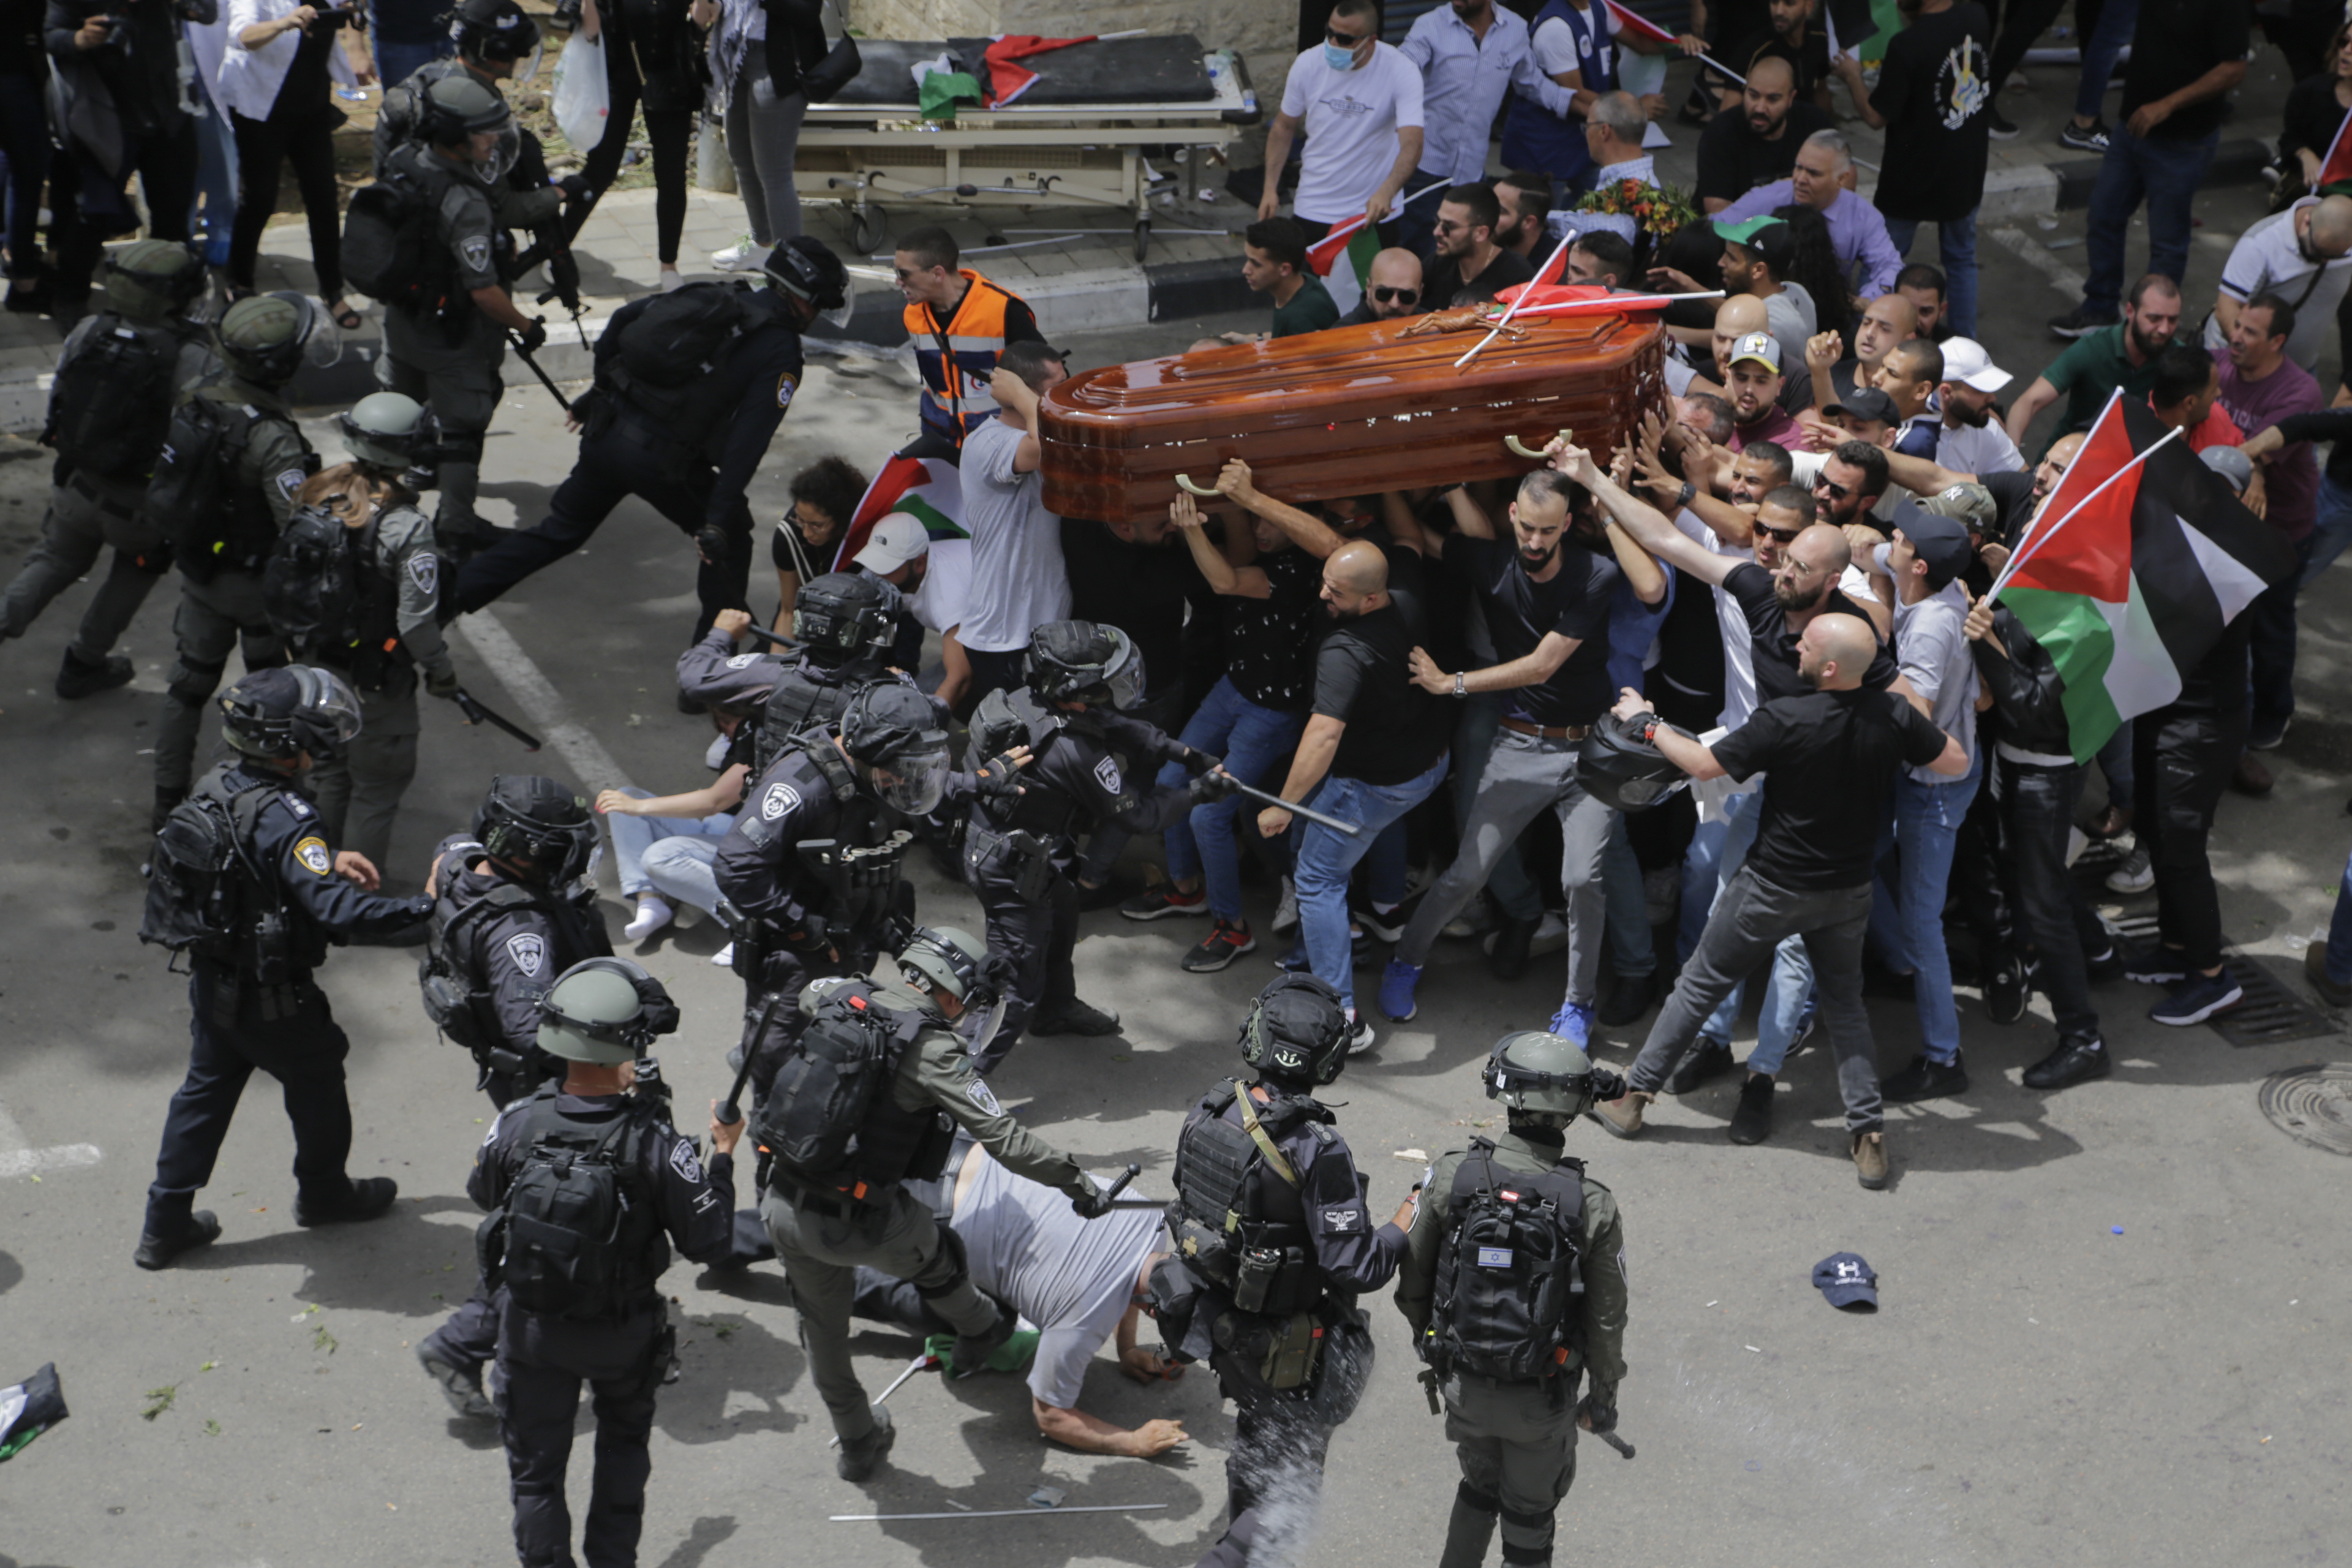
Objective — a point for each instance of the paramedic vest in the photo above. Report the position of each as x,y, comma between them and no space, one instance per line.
955,365
1534,137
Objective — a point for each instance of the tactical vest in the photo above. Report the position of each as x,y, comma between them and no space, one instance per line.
327,593
955,364
454,978
1508,1293
831,1124
219,517
669,366
111,400
1009,717
806,696
1534,137
213,896
579,1234
1238,1220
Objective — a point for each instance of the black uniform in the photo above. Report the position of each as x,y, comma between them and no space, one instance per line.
263,1010
1018,853
691,462
623,1355
1308,1219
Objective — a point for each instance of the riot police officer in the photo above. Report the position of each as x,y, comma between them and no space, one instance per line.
590,1186
444,348
224,486
249,888
117,378
1273,1243
1514,1282
835,1163
691,386
1018,851
517,907
389,630
845,622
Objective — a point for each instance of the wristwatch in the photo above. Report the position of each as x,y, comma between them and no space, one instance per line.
1682,501
1649,729
1459,688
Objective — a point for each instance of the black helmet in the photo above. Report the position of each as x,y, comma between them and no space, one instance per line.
266,337
1620,769
841,615
283,712
806,269
1079,661
1297,1032
154,279
1546,1078
603,1010
497,31
539,823
894,733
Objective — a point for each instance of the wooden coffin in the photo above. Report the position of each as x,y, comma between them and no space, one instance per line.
1349,411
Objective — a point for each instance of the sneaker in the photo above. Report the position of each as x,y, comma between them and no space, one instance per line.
1387,927
1397,983
2156,966
744,256
1573,1022
714,755
2078,1059
1622,1116
2198,998
2251,777
158,1247
1224,942
2090,137
724,958
1925,1079
2103,968
2134,875
461,1388
860,1459
1630,1000
1286,910
370,1198
1477,919
1709,1059
2314,970
1551,934
2005,989
1074,1017
1165,899
1999,125
1869,1151
2266,736
76,680
1359,1036
1110,892
1752,1120
2082,321
1295,961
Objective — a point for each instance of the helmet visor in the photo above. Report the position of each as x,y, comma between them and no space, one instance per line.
838,317
979,1025
914,781
505,147
527,67
1125,673
322,342
328,716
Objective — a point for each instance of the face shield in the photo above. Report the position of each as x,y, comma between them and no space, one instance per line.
527,67
1124,673
495,152
914,780
838,317
323,342
983,1015
328,716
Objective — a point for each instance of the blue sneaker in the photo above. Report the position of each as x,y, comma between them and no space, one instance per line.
1573,1022
2198,998
1397,982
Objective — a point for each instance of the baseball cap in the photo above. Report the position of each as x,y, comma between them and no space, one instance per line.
1772,238
1941,541
1964,360
896,540
2232,464
1761,347
1847,1281
1867,403
1971,503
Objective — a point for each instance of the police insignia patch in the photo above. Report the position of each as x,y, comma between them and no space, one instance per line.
475,253
312,853
984,1097
682,1161
741,661
528,949
785,386
291,480
780,799
425,569
1107,775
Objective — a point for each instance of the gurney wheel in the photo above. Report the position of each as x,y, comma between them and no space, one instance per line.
1142,238
866,228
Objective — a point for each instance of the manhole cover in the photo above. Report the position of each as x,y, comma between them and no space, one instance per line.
2312,1104
2270,1014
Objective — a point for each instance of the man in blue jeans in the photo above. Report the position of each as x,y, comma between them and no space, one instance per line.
1251,717
1373,749
2186,56
1919,573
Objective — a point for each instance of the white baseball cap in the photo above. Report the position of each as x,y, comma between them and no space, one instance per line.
896,540
1964,360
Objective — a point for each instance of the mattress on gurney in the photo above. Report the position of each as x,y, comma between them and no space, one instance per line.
1107,74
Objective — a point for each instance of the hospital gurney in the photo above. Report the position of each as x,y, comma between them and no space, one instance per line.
1085,135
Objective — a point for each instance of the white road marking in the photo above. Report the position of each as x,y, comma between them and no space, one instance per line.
543,705
19,1158
2036,254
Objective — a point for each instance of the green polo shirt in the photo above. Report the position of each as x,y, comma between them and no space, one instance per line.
1310,309
2090,370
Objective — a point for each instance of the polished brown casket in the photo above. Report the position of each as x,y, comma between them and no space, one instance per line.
1349,411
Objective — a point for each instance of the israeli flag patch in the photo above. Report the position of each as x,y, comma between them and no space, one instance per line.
1494,1257
780,799
425,570
528,950
682,1161
1107,775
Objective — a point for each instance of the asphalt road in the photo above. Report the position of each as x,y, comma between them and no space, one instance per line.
2109,1316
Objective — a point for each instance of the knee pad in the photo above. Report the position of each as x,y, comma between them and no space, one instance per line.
461,447
193,684
947,1270
1526,1556
1533,1523
1471,1496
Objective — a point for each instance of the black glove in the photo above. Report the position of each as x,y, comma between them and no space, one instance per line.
1209,788
1599,1407
1089,1200
533,337
713,542
576,188
998,779
1197,762
442,685
1608,1084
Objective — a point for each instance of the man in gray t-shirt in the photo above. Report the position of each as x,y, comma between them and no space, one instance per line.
1018,581
1076,1281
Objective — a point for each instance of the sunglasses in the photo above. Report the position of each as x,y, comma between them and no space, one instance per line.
1404,296
1837,492
1779,535
1344,40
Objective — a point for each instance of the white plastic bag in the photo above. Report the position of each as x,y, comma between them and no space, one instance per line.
581,100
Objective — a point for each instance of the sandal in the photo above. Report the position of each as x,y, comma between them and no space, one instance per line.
345,317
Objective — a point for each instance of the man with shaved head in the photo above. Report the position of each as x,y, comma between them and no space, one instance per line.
1829,757
1375,744
2302,256
1391,291
1757,144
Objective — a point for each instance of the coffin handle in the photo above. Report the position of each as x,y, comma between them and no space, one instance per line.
1520,449
1184,482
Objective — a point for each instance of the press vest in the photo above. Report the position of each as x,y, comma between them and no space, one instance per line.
1534,137
955,365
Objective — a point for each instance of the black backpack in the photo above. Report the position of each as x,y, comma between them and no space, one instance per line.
667,362
311,587
1509,1291
203,893
574,1237
111,402
393,249
194,492
827,1090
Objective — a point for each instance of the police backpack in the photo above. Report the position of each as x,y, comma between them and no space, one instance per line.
1218,1219
813,1123
111,401
1509,1299
313,584
202,890
670,353
393,249
575,1236
194,492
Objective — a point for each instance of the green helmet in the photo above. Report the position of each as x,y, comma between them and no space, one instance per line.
1540,1075
382,429
606,1011
154,279
458,108
947,958
268,337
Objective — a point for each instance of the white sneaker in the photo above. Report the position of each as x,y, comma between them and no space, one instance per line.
744,256
1360,1035
1551,934
653,913
2134,875
724,958
1285,914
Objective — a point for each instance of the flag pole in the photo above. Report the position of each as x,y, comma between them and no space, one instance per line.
1618,303
1360,220
2051,532
2026,535
1557,252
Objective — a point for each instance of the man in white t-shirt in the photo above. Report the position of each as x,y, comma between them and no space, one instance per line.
1018,581
1971,441
1077,1282
935,576
2302,255
1358,100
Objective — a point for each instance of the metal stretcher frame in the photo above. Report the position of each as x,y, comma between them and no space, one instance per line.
864,155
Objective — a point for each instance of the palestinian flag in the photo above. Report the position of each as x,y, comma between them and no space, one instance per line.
29,1409
1632,21
1343,259
2335,169
928,489
2148,556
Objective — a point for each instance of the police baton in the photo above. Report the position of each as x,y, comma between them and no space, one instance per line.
1616,1442
731,1111
1352,829
765,634
476,714
514,340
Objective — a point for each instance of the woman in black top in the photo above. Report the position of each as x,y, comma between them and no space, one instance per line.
653,57
825,498
2314,111
275,85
